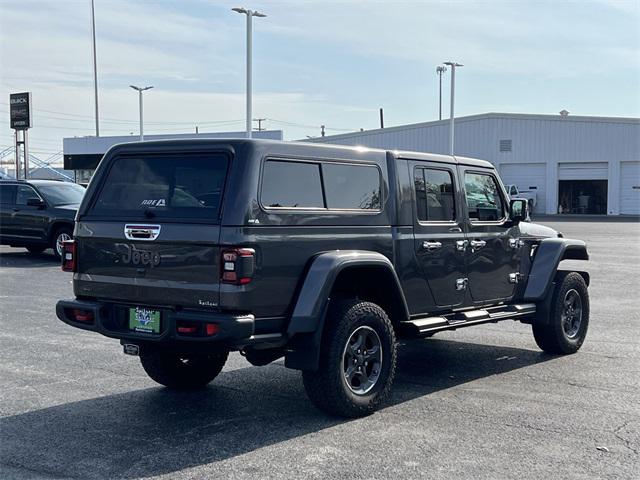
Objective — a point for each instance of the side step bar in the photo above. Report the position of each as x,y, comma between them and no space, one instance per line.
418,327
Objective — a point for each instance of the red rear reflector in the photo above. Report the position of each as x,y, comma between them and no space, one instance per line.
184,329
85,316
212,329
69,251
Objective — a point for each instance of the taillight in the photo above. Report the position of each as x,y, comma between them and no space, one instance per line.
69,254
79,315
237,265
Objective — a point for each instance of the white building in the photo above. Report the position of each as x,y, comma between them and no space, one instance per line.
573,164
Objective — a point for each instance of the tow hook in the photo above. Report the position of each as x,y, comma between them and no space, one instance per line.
131,349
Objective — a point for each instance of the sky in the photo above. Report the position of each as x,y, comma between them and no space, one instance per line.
315,63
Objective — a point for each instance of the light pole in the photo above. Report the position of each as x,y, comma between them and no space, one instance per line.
453,66
140,90
440,70
250,14
95,65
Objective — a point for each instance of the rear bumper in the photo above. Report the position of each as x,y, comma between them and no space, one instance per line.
110,319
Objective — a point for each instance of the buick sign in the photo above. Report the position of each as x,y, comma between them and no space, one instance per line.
20,110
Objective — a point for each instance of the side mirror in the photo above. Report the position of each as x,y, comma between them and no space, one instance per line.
519,211
35,202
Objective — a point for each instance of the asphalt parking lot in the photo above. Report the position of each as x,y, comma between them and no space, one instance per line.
482,402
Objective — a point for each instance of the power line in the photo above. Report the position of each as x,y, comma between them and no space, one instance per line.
80,117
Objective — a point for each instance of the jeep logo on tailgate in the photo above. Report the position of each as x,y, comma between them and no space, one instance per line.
133,256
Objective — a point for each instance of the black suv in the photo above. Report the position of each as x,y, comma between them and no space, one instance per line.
38,214
324,255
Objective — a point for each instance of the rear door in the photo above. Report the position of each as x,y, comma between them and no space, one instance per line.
439,240
150,234
7,205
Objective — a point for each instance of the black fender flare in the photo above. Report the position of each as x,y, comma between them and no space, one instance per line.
307,320
549,254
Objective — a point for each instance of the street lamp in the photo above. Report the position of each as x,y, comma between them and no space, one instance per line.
140,90
249,14
440,70
453,66
95,65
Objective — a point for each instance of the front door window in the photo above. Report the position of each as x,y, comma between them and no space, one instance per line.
484,201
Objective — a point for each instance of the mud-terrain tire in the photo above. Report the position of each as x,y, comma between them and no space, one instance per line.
182,372
351,381
568,322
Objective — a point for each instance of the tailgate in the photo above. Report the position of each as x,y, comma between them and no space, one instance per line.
181,267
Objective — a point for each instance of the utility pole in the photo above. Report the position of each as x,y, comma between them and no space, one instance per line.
453,66
250,14
381,118
260,120
440,70
322,130
95,66
140,90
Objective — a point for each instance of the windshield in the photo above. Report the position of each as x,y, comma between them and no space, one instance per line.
62,194
188,186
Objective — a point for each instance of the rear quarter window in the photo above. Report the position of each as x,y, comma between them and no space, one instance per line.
320,185
170,187
7,194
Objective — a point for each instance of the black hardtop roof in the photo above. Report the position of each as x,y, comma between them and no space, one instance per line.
284,147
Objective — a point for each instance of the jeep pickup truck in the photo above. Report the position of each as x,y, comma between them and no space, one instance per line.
324,255
530,196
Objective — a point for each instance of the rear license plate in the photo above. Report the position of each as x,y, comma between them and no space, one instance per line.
144,320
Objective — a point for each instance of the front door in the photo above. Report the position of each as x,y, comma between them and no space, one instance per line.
439,240
29,222
492,252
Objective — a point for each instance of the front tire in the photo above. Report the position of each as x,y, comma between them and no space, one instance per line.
566,329
358,358
182,372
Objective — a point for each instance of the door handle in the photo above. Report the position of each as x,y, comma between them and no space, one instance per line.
455,230
477,244
431,246
461,245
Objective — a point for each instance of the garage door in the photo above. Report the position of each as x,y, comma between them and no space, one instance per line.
583,171
527,177
630,188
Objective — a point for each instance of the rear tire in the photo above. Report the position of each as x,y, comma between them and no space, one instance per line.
352,381
36,250
182,372
566,329
60,235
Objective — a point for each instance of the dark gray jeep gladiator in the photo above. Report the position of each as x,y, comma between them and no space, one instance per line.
324,255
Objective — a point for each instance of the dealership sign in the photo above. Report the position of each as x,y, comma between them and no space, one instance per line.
20,110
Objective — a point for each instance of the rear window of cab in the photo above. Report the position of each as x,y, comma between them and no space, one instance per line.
320,185
166,187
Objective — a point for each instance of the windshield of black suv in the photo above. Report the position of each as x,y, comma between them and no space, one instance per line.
62,194
169,187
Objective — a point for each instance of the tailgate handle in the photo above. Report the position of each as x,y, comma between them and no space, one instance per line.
141,232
